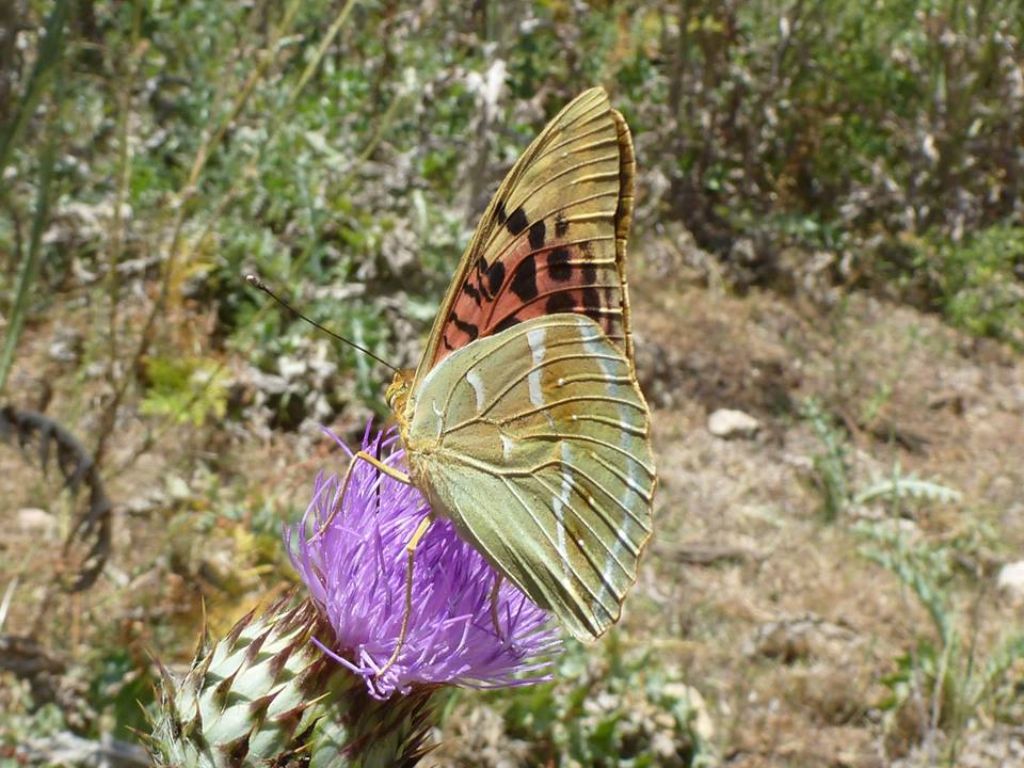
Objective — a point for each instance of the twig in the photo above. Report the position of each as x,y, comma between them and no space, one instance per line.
77,468
709,554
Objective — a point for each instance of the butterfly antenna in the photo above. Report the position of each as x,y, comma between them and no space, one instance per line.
255,282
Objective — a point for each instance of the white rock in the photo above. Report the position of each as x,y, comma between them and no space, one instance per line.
34,520
727,423
702,724
1011,578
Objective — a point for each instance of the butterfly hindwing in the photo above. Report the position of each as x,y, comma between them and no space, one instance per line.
553,239
535,443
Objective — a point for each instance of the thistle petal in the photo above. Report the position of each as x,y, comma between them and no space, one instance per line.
351,554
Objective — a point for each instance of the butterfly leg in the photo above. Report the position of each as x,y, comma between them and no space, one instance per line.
410,551
494,604
369,459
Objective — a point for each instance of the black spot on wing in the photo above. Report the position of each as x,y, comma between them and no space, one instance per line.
517,221
447,344
558,264
495,278
538,230
507,323
467,328
589,269
561,226
524,279
470,290
501,213
592,303
559,302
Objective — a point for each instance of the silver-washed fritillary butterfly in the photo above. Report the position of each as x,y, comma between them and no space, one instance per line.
523,423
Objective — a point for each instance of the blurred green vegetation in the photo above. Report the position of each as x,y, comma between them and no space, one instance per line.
211,139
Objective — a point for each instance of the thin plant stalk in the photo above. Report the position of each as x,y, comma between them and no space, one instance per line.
229,196
321,50
174,249
29,267
124,172
50,54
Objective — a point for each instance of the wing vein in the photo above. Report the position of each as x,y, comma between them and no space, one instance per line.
523,375
611,524
582,549
593,596
644,526
594,440
572,399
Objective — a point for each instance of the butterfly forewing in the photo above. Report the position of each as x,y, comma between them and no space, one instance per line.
553,239
535,443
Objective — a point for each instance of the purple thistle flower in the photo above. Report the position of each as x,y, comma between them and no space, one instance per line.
355,570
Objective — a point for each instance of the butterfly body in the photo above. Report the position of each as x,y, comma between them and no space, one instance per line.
524,424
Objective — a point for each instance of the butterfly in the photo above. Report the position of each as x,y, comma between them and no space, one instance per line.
523,423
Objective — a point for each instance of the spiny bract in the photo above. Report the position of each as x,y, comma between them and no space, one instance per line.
266,695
